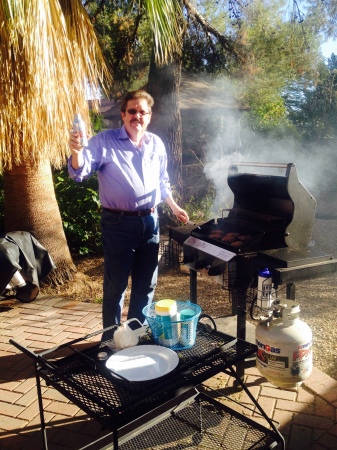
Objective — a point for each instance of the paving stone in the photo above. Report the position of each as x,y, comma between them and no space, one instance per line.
50,321
324,409
333,430
244,397
300,438
15,441
278,393
9,396
328,441
28,398
331,395
284,418
294,406
11,410
313,421
317,434
317,447
67,409
303,396
30,411
26,386
267,404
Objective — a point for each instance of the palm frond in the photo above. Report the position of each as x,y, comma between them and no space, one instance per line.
48,56
165,18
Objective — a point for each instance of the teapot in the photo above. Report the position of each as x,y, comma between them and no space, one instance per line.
125,336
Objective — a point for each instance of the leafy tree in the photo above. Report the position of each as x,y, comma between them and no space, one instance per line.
280,53
125,40
315,116
253,41
324,14
332,62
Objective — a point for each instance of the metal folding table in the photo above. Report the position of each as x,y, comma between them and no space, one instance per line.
134,411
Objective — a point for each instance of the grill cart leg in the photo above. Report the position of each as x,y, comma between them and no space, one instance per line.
241,382
193,286
291,291
238,297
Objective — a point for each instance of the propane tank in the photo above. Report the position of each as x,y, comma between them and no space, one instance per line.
284,355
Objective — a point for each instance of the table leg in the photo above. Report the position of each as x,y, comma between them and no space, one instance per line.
39,397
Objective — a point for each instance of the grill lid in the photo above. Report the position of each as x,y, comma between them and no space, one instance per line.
279,203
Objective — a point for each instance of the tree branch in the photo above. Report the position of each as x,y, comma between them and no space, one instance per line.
208,28
99,8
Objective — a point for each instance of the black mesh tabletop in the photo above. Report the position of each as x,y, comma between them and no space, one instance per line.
85,380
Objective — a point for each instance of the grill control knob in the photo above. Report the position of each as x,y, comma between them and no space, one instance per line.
201,264
216,270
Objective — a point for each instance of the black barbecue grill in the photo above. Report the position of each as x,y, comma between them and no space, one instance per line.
272,218
269,211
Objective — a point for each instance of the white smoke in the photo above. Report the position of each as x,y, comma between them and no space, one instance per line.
236,142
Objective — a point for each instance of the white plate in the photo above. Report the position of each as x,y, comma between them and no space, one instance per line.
143,362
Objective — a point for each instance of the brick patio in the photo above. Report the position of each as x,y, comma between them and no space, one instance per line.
307,416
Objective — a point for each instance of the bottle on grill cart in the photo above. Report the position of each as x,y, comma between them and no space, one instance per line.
187,327
265,292
166,312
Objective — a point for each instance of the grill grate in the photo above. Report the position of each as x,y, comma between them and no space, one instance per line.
203,424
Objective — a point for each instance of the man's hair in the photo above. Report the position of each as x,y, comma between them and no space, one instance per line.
135,95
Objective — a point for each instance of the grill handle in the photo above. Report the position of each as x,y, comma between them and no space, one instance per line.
288,166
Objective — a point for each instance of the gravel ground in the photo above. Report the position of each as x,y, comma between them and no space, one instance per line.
318,301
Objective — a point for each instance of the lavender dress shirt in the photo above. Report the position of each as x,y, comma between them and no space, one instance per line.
129,178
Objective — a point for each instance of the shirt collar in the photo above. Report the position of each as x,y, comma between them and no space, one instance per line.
124,135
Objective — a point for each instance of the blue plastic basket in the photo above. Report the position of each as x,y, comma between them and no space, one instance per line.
175,333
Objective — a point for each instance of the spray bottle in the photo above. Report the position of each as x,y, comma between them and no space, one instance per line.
79,126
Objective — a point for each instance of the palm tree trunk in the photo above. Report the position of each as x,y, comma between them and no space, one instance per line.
29,193
163,85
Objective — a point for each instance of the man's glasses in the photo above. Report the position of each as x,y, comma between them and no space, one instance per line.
133,112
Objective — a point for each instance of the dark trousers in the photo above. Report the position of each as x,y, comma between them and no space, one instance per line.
131,246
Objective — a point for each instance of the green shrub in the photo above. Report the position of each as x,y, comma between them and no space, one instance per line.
80,211
96,121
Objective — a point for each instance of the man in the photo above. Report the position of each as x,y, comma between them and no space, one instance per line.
132,176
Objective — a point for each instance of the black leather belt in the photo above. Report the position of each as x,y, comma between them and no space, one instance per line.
139,213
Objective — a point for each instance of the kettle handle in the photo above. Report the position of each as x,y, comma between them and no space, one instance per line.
138,331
